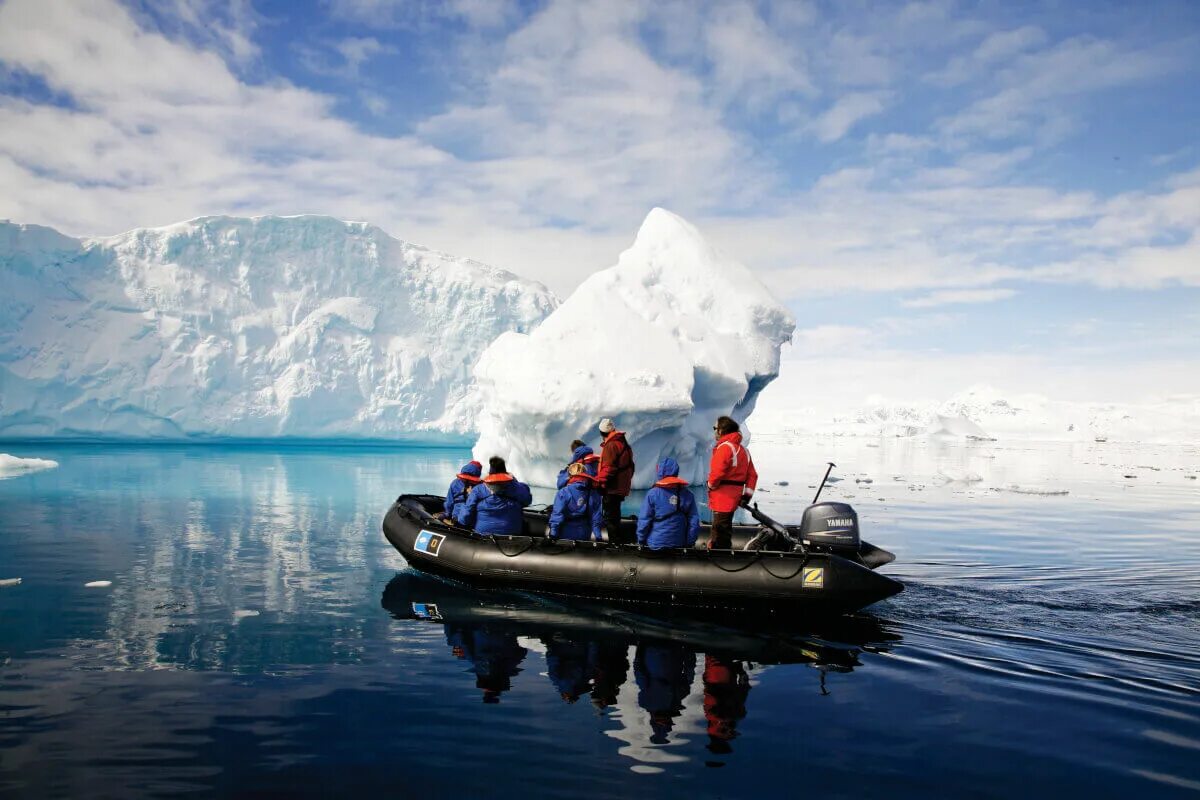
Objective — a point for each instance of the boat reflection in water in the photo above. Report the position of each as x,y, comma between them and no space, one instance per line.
587,647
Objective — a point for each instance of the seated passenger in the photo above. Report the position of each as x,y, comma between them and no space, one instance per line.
579,451
669,517
578,514
466,480
494,506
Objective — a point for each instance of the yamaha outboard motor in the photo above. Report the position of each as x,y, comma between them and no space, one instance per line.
832,526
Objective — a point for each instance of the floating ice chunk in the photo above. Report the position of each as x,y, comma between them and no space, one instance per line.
10,582
97,584
864,480
12,466
1018,489
673,336
242,613
953,476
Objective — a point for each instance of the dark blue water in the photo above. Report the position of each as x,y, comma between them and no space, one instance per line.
260,637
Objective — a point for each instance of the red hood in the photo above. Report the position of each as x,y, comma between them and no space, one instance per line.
735,437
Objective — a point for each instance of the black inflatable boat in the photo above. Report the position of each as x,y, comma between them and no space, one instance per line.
825,571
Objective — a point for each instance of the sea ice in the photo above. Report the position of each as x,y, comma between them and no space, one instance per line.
97,584
229,327
12,466
672,336
10,582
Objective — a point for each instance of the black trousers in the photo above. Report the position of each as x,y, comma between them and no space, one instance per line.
612,519
721,536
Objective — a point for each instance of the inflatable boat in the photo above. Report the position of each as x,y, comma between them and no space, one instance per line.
822,569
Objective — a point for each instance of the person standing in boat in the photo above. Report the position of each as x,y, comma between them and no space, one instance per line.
578,514
466,480
494,506
615,476
580,454
669,517
731,481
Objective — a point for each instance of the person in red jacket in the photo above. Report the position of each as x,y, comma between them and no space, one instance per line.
731,481
615,477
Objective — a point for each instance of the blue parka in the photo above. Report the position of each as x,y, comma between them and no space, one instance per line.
466,480
669,517
494,506
578,512
579,454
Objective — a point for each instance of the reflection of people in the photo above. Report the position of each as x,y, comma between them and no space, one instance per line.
726,685
495,657
494,507
669,517
615,476
731,481
567,667
664,675
609,666
466,480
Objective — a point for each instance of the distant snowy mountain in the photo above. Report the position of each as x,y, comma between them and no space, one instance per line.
983,412
228,327
671,337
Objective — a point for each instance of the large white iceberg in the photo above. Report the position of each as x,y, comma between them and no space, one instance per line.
230,327
671,337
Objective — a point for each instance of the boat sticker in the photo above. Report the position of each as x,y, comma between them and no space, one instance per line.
814,577
429,543
426,611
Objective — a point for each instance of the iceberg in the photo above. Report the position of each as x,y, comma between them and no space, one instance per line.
261,327
12,466
672,336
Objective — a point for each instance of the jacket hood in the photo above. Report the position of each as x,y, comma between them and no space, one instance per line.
668,468
735,437
581,453
472,469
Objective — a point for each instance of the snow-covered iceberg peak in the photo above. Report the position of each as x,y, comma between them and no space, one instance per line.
232,327
671,337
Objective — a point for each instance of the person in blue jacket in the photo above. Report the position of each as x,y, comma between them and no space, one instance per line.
580,454
494,506
466,480
578,512
669,517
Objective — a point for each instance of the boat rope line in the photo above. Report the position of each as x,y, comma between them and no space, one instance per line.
803,561
522,551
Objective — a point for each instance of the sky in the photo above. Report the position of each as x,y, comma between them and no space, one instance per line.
943,193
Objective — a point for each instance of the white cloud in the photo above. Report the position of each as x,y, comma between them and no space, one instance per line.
959,296
848,111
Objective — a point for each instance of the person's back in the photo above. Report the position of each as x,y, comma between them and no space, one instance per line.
578,513
615,477
494,507
669,516
460,488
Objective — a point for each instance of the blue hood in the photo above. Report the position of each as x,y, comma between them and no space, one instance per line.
472,468
668,468
580,453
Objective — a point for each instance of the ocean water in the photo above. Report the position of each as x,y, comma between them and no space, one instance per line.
260,637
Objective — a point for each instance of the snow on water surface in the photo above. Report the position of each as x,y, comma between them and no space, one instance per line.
228,327
664,342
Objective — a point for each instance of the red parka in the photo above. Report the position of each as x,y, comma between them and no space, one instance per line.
616,465
731,474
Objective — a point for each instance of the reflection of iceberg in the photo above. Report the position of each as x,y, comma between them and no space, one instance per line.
671,337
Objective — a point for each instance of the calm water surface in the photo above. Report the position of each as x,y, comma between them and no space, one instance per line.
261,637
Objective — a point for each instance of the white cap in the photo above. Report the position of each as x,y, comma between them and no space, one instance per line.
606,425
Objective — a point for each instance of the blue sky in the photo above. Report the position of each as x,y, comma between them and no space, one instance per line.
944,193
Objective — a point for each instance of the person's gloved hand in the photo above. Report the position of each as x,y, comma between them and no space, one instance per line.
745,501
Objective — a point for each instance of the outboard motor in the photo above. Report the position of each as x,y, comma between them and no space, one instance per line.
832,526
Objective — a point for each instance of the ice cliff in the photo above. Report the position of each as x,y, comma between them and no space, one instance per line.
266,327
671,337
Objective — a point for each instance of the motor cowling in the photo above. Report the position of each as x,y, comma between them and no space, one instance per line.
832,525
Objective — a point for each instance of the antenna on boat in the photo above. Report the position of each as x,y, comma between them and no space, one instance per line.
822,486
